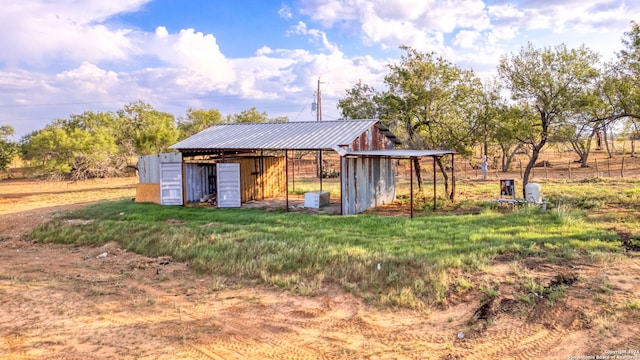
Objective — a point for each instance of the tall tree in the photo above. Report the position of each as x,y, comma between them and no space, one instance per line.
621,89
509,132
551,81
143,130
80,147
434,103
248,116
197,120
360,102
8,148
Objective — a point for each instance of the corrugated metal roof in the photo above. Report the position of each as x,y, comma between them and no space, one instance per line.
284,135
399,153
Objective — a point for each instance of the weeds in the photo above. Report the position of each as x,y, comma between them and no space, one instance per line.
398,261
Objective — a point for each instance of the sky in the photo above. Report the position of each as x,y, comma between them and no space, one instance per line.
64,57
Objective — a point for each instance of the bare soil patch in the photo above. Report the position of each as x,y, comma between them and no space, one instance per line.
79,302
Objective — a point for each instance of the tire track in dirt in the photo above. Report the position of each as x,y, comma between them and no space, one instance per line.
545,328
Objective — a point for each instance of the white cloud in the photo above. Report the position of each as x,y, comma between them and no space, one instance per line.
38,32
315,36
265,50
285,12
68,51
195,55
466,39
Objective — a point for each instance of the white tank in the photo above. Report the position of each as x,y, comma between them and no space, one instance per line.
533,192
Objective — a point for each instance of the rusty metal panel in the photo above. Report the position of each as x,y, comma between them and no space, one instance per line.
367,183
373,139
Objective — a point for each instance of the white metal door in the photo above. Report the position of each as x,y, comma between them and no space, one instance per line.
229,185
171,183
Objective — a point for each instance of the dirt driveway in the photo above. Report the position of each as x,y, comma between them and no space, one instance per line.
77,302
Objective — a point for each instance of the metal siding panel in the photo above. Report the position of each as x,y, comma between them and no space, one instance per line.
196,182
367,183
149,169
173,157
171,183
348,187
229,185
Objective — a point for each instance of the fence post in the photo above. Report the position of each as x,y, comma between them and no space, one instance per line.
520,161
569,166
597,171
622,168
608,168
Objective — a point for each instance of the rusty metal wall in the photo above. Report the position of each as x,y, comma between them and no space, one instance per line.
367,183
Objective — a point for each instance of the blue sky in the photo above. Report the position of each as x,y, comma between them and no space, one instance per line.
69,56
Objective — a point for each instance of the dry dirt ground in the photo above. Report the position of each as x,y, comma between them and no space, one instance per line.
79,302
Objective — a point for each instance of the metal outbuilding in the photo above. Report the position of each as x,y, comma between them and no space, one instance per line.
251,155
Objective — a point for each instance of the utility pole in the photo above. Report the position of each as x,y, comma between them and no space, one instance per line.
319,102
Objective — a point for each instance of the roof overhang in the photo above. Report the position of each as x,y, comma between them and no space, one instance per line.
398,153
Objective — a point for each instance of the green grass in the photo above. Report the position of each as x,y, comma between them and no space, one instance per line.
395,261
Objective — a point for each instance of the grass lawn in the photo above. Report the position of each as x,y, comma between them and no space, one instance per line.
395,261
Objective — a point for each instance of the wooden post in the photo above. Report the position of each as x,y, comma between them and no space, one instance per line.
293,171
434,183
546,175
608,168
286,187
411,185
341,185
321,168
569,167
520,161
453,179
622,168
597,170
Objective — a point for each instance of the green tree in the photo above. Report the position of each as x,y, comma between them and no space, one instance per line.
253,116
248,116
360,102
434,103
621,87
197,120
143,130
551,81
8,148
80,147
508,131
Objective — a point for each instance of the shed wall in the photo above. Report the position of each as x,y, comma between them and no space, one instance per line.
148,192
367,183
372,139
200,180
149,166
262,178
